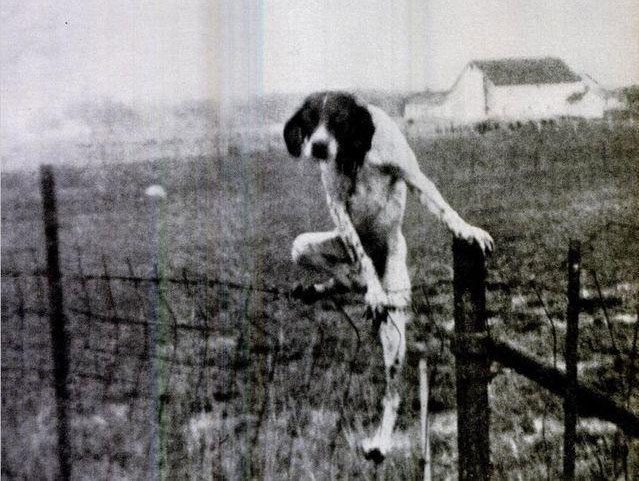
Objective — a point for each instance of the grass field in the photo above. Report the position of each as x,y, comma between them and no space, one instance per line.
277,390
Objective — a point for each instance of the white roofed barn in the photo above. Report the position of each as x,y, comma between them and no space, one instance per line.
507,90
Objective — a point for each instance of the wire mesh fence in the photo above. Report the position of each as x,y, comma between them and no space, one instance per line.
220,341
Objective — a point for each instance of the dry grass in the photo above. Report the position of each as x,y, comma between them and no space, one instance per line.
278,390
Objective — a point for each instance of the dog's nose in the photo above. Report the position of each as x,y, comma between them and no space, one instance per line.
320,150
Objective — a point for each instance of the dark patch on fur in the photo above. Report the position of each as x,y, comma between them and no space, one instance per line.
379,261
374,455
390,170
352,126
377,250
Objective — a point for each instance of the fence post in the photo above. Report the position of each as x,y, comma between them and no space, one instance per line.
572,331
155,195
424,424
471,361
59,346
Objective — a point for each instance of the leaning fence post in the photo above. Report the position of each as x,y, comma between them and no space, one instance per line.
59,346
471,361
572,331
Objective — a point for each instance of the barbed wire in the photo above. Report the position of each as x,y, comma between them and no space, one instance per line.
283,292
117,319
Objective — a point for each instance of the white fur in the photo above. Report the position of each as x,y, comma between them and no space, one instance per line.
321,134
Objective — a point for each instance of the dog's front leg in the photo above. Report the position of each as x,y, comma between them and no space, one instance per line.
375,297
430,197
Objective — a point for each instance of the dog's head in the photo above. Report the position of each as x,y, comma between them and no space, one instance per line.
331,125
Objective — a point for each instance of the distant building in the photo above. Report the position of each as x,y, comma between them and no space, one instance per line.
510,90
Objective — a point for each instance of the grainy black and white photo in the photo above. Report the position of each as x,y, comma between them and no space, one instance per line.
319,240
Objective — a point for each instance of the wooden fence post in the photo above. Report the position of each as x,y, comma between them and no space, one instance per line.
59,347
572,331
471,361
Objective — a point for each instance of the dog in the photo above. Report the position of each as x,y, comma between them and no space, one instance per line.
366,168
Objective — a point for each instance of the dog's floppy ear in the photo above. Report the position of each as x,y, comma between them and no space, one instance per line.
361,137
355,136
294,134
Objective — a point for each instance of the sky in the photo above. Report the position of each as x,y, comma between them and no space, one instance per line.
425,43
55,53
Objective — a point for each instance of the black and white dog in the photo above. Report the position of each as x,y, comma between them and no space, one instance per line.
366,166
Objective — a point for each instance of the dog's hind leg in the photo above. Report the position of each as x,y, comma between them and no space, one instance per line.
324,252
392,334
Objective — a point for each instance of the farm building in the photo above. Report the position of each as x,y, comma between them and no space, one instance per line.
509,90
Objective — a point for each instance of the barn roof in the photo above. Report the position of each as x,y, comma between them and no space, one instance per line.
520,71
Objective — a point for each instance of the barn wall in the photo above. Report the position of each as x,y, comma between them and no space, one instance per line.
466,102
542,101
591,106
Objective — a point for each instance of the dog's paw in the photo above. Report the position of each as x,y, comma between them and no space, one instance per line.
375,449
483,239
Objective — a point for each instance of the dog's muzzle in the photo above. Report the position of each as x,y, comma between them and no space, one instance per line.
319,150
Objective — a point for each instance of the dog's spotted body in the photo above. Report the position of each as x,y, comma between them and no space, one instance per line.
366,167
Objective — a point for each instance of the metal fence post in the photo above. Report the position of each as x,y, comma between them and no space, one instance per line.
471,361
59,347
572,332
155,195
424,418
